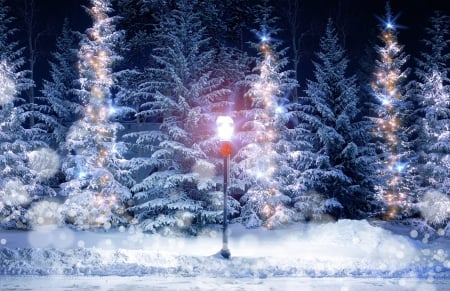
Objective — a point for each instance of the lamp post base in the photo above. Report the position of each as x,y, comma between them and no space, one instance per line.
225,252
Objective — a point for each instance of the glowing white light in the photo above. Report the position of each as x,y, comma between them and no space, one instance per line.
225,128
82,175
15,194
435,207
112,110
7,85
389,25
264,38
44,162
399,167
279,110
259,174
43,213
385,101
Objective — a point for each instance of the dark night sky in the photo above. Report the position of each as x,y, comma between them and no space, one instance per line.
356,19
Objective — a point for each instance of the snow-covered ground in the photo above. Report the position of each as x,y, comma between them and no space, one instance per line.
345,255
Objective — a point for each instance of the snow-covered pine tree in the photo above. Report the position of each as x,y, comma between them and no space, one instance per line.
136,21
21,169
58,94
179,193
433,87
95,187
368,110
261,164
335,160
388,88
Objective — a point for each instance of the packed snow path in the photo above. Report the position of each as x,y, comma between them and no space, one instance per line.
345,249
145,283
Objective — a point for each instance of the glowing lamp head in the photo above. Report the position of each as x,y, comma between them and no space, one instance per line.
225,128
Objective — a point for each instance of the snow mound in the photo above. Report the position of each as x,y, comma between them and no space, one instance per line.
341,249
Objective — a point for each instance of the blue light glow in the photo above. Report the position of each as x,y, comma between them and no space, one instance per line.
400,167
385,101
279,110
389,22
112,110
82,175
264,38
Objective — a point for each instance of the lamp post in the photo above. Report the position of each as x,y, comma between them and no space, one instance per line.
225,128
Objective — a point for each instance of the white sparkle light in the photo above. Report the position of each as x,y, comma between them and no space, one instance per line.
399,167
82,175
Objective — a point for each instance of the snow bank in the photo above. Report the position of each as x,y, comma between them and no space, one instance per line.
342,249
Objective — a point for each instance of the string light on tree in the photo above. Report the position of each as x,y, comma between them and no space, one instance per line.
94,191
259,162
265,201
386,87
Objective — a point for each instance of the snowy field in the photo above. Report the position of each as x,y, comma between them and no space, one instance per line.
120,283
346,255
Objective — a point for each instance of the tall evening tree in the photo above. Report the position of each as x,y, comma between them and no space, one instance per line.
389,89
58,93
95,181
21,171
335,161
261,163
179,192
434,90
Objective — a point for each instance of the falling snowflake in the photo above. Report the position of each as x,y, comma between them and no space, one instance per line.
43,213
14,194
205,172
7,85
435,207
44,162
50,236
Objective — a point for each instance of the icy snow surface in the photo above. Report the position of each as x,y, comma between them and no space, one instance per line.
346,249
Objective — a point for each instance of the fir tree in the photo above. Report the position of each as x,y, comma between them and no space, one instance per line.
21,172
388,88
335,161
433,87
96,182
63,107
262,169
185,93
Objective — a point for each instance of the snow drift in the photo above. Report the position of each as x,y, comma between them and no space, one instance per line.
341,249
